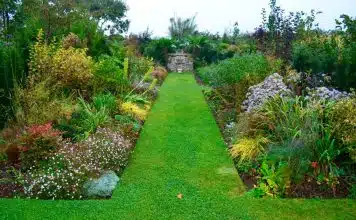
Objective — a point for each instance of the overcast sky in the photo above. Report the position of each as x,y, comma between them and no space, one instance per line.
217,15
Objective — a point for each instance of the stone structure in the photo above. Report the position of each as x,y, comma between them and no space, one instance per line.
180,62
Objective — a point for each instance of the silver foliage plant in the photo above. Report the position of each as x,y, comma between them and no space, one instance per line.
258,94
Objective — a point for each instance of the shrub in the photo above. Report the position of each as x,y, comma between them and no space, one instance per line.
109,76
39,103
290,118
139,67
159,49
34,145
233,77
326,153
106,102
343,124
318,54
135,110
233,70
328,53
306,137
72,67
84,121
67,67
274,180
160,73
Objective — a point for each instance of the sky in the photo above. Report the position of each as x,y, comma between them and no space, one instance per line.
219,15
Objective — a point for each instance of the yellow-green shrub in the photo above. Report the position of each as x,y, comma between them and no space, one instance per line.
72,67
134,110
66,66
40,63
37,104
343,123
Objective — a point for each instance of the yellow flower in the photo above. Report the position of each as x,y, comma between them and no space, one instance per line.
135,111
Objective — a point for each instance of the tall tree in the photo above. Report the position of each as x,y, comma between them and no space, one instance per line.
111,14
8,10
181,28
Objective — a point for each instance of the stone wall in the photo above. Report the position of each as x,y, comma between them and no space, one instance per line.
180,62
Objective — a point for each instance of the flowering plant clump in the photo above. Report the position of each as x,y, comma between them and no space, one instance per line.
43,130
328,94
59,179
37,143
105,150
67,170
257,95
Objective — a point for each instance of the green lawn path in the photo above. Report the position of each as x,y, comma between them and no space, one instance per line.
180,151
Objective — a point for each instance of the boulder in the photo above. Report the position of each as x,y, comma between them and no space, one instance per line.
102,187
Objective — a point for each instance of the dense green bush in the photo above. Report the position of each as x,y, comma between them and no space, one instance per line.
159,49
232,71
138,67
318,54
333,53
232,77
109,76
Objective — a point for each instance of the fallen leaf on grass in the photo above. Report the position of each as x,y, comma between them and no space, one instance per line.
180,196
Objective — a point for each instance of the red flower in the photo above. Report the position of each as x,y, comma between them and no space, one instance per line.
314,164
43,130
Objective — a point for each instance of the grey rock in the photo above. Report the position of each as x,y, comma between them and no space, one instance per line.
102,187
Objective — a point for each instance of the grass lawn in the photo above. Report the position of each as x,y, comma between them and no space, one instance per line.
180,152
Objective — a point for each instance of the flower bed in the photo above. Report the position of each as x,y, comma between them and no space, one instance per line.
285,145
71,133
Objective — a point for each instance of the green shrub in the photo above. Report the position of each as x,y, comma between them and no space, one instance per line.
326,153
232,77
233,70
138,68
106,102
109,76
319,54
159,49
329,53
290,118
39,103
84,121
274,180
343,124
352,193
311,139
